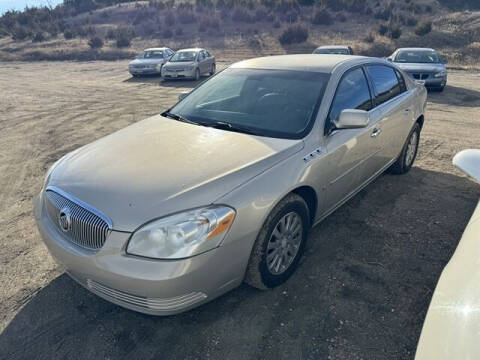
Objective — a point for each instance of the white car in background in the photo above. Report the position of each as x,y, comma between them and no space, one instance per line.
150,62
452,326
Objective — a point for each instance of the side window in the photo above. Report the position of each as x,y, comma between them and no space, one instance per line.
352,93
401,81
208,54
201,56
385,81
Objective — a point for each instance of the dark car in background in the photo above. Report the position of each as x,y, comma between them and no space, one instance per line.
422,64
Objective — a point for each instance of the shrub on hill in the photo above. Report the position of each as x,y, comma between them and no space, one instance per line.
123,37
39,37
293,35
322,17
95,42
423,28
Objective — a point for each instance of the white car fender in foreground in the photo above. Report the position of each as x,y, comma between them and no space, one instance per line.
452,325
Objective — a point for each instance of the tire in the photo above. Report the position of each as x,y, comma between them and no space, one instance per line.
441,89
407,156
212,71
263,271
197,75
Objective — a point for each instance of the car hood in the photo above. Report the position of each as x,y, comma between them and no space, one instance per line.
145,61
420,67
159,166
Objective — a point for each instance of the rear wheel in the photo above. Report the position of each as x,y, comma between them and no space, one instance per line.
280,244
409,153
212,71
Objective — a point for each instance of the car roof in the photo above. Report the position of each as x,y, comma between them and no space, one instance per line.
156,49
304,62
414,48
333,47
191,49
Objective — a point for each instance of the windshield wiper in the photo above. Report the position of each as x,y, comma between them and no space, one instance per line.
179,118
230,127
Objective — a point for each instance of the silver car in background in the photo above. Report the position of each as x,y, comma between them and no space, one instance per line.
150,61
189,63
334,49
422,64
177,209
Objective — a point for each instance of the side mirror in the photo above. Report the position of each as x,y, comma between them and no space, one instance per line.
468,161
390,59
352,119
183,95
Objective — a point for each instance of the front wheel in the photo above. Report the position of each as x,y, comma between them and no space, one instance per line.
280,244
197,75
409,153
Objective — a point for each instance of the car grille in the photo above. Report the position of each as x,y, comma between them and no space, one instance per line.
80,224
420,76
154,304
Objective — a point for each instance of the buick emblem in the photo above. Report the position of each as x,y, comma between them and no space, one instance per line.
65,219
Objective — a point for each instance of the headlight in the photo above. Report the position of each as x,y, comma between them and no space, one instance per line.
442,73
182,235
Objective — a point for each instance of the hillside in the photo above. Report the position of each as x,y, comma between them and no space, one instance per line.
110,29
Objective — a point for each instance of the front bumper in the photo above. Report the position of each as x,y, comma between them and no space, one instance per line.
144,71
157,287
178,74
431,81
436,82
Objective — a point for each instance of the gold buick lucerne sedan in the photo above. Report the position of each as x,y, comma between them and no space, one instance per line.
177,209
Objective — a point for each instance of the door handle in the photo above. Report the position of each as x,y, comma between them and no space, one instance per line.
376,132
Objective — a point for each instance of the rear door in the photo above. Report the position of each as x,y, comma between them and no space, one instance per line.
202,62
394,104
211,61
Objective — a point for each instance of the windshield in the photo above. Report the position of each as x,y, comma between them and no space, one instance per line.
274,103
340,51
154,54
417,56
184,56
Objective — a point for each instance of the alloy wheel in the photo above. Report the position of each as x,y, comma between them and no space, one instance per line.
284,243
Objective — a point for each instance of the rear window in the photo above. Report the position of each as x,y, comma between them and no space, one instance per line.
385,82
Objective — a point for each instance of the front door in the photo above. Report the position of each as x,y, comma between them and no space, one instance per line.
348,149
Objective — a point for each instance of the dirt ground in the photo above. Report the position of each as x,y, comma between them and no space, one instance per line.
361,292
